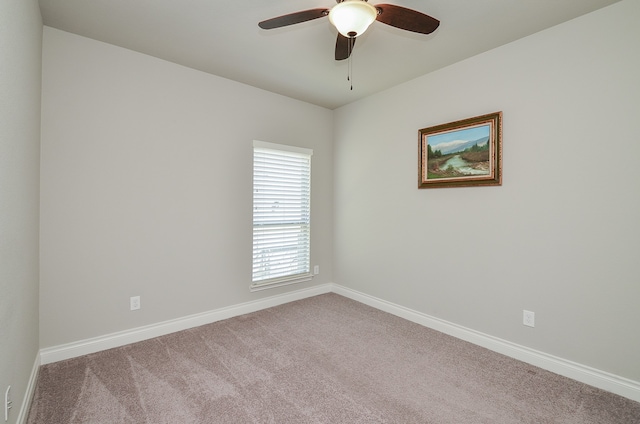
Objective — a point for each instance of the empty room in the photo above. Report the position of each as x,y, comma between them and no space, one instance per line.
242,212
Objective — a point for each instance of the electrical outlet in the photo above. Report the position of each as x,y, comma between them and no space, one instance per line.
316,270
529,318
134,303
7,403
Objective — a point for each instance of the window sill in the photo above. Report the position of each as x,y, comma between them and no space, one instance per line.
279,282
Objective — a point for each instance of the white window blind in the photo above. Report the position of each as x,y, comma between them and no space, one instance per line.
281,214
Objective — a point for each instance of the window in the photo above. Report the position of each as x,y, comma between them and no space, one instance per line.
281,215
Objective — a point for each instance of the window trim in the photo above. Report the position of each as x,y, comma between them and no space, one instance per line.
289,279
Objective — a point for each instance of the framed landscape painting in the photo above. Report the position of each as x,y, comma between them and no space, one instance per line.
462,153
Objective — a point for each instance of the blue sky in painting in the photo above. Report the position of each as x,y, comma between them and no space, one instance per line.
459,135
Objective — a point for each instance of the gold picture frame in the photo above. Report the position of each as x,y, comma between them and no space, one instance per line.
462,153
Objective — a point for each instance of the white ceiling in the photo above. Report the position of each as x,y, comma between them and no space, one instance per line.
223,38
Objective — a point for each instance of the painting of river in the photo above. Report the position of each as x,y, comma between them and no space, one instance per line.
462,153
459,153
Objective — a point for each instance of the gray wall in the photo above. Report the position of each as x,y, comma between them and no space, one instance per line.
146,187
20,75
560,237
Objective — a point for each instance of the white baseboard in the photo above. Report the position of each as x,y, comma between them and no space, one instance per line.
591,376
121,338
600,379
28,394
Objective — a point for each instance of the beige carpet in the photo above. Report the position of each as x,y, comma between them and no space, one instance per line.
325,359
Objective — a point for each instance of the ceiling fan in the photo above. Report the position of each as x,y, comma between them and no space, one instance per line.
352,17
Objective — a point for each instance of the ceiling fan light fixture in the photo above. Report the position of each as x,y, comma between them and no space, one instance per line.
352,17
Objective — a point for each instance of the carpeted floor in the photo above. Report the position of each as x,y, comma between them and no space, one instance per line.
325,359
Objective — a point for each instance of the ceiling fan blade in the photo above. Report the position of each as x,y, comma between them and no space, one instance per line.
293,18
344,47
407,19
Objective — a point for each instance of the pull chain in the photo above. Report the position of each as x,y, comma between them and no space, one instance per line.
350,63
350,73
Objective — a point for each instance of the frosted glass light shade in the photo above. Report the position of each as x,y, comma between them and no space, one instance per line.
352,17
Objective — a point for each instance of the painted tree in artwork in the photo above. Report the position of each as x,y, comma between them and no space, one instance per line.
431,154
